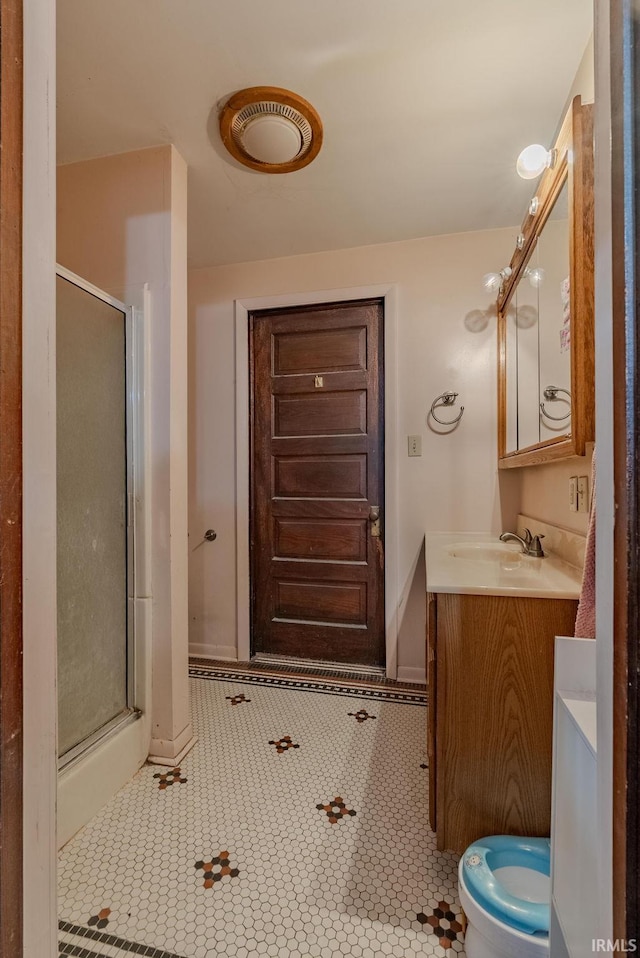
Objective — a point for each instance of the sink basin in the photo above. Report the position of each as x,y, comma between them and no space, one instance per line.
487,552
478,563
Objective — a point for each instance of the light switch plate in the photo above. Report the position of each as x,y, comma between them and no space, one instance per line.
583,493
415,445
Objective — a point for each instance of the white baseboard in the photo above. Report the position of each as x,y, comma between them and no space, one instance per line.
227,653
172,751
409,674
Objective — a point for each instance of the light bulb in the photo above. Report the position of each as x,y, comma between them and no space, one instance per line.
532,161
536,277
494,281
491,281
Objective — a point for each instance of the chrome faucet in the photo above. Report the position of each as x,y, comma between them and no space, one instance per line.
531,545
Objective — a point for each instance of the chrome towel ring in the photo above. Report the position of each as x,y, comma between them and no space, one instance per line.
446,399
551,395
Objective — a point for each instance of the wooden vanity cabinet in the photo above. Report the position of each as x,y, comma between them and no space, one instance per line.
490,714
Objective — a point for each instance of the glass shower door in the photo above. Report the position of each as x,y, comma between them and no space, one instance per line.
94,542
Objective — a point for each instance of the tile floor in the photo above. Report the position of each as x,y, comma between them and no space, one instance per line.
296,827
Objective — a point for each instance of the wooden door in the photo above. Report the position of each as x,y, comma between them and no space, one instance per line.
317,553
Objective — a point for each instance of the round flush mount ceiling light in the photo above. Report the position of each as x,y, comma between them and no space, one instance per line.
270,129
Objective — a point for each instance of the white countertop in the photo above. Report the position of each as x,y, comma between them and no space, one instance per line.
477,563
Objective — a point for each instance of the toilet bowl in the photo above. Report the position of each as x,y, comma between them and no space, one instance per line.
505,892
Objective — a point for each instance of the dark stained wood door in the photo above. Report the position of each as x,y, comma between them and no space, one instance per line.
317,479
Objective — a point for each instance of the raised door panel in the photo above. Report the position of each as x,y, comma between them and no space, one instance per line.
320,477
320,413
320,351
338,539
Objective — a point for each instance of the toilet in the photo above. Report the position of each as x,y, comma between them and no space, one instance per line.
505,892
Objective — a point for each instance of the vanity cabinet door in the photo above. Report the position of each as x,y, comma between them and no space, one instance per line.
495,715
431,708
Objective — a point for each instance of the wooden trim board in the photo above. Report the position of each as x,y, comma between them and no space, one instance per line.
11,878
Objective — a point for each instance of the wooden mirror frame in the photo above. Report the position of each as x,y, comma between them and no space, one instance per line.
573,165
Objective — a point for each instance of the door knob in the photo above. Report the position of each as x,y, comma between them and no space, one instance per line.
210,535
374,519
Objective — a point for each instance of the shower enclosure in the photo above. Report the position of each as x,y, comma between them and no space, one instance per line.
95,517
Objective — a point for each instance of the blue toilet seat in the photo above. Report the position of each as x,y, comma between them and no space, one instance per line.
483,858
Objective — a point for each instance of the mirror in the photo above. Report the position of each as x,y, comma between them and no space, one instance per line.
545,311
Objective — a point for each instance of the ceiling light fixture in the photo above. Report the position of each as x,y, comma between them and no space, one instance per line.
270,129
534,160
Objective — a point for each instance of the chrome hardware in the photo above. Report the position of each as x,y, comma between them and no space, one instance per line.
520,241
533,206
551,395
374,519
535,549
530,544
210,535
473,860
446,399
318,382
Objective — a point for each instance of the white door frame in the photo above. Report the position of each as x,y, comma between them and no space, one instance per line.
388,293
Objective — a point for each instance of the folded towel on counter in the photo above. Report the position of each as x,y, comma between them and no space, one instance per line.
586,617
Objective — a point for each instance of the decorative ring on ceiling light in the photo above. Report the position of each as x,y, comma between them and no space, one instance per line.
270,129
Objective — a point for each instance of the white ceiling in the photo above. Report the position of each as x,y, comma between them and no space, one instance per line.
425,105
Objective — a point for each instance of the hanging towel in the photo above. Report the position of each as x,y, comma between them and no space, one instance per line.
586,618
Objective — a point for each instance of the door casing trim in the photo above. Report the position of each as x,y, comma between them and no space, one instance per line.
388,293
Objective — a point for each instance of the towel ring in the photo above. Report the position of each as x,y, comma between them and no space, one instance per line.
446,399
551,395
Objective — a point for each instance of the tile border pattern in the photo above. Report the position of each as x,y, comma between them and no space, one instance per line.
309,683
103,938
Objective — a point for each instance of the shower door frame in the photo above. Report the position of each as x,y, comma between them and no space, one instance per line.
130,713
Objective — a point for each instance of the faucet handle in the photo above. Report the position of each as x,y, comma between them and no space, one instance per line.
528,538
535,547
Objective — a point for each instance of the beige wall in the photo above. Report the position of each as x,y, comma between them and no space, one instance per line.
544,492
121,225
453,486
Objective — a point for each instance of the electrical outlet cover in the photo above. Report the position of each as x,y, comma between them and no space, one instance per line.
573,494
583,493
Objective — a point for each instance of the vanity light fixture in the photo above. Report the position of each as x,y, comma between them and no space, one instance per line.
534,160
492,282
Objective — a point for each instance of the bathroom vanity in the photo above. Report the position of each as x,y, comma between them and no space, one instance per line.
492,618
